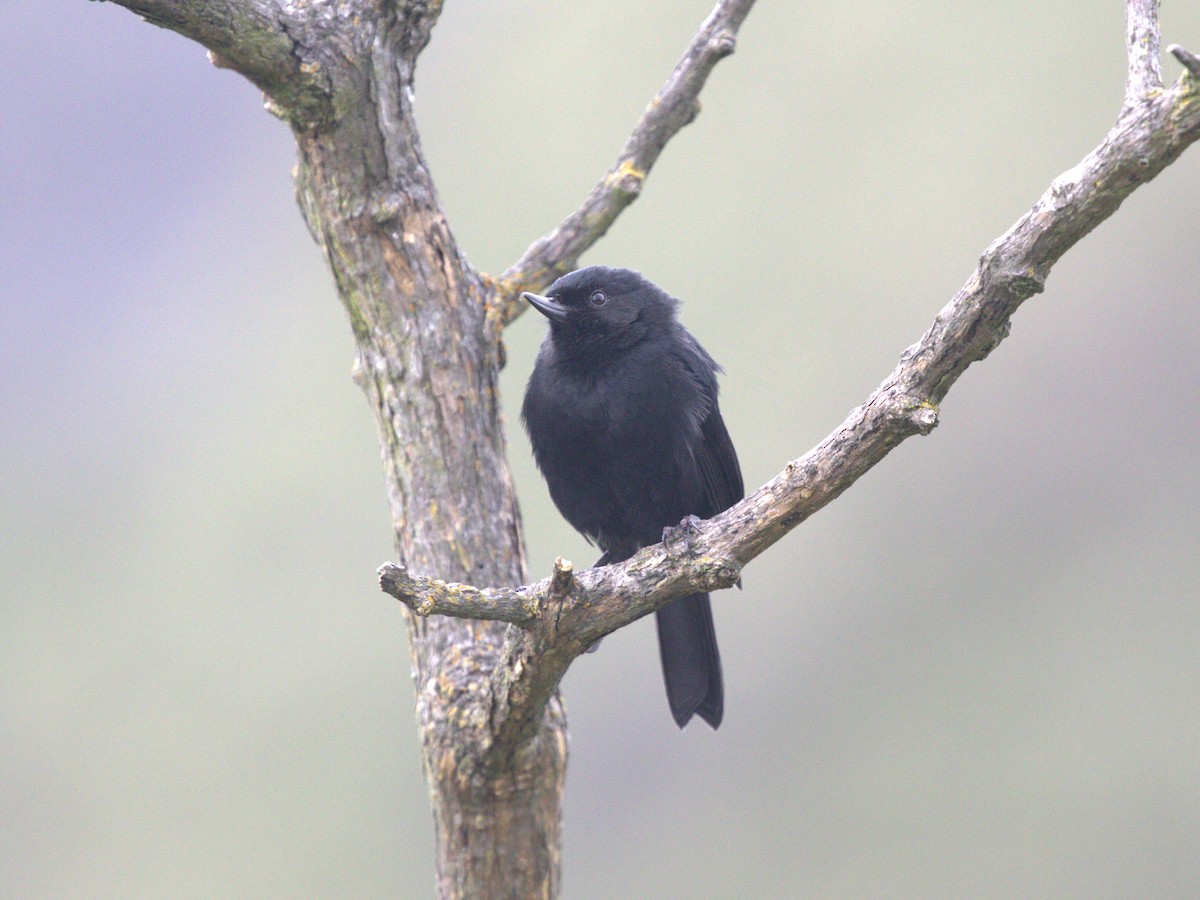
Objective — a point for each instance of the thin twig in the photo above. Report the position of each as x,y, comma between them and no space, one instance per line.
675,105
1187,59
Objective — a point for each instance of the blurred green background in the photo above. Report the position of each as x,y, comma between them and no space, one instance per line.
977,673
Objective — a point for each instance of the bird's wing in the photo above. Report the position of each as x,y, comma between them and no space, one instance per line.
719,464
715,456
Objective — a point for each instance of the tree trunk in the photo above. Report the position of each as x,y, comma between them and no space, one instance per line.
492,727
428,362
493,730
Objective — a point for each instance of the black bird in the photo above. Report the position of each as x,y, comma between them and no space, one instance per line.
622,413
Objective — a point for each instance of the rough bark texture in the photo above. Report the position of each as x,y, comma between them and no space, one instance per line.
429,365
428,330
493,731
561,616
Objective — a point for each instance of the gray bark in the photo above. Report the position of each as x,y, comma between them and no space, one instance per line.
563,615
427,326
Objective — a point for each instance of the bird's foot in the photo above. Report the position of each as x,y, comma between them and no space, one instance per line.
678,538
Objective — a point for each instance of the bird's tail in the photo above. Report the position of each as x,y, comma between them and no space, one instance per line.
691,663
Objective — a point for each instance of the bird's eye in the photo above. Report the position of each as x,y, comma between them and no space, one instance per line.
597,299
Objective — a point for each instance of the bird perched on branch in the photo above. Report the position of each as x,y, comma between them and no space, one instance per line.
622,413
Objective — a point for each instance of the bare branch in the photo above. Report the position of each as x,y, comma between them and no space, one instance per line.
1142,36
429,596
675,105
703,556
1187,59
258,39
598,601
199,18
574,614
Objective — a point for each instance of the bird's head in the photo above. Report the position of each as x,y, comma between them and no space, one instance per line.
599,306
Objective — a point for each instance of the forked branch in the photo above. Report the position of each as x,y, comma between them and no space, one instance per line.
554,625
675,105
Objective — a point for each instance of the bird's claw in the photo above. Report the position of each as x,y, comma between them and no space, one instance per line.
680,537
